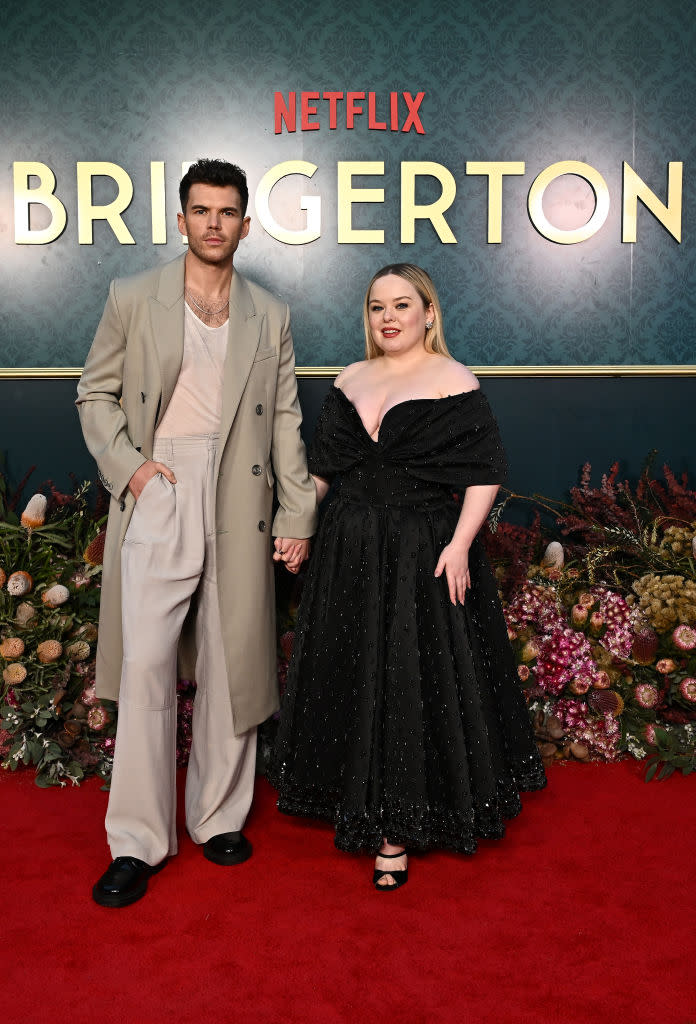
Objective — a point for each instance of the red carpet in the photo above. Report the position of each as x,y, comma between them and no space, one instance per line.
585,913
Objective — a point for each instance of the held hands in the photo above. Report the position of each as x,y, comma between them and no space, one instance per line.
145,473
454,561
291,551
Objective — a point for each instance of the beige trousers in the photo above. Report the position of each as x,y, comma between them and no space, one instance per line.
168,555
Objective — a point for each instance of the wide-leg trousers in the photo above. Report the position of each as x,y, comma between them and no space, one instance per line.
168,556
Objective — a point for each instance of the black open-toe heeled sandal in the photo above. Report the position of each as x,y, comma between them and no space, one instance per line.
400,877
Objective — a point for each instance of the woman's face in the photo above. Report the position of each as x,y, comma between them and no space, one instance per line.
397,315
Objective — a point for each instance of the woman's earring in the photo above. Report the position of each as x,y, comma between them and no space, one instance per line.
428,324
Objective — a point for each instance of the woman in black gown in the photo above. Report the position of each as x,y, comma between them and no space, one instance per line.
403,722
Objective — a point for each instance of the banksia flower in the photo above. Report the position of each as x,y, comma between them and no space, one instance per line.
553,556
25,613
94,552
19,583
55,595
35,513
645,644
77,650
87,632
12,647
48,651
684,637
14,674
606,702
687,688
3,577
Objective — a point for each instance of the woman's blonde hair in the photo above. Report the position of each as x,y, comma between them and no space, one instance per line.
421,281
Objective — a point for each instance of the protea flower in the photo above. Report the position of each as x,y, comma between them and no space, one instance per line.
579,615
77,650
598,624
687,688
35,513
523,672
665,666
647,695
55,595
602,680
12,647
588,600
14,674
97,718
48,651
580,685
684,637
650,734
94,552
645,644
19,583
89,695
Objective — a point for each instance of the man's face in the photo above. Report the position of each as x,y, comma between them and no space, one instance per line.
213,222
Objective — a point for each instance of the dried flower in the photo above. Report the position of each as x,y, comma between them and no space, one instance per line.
645,644
25,613
94,552
55,595
665,666
667,601
89,695
48,651
14,674
588,600
579,615
687,688
602,681
553,556
606,702
3,577
77,650
287,641
97,718
530,651
523,672
647,695
684,637
12,647
650,734
19,583
35,513
580,685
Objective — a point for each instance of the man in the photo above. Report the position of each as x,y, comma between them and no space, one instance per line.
188,403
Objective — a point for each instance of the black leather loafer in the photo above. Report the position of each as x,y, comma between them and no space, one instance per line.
227,848
124,882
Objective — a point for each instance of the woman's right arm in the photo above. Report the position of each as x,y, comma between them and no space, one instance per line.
322,487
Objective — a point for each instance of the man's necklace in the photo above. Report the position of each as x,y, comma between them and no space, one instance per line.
208,312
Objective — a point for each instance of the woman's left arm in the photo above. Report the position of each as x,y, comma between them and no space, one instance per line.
454,559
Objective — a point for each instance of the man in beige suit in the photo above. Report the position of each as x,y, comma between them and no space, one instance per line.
188,402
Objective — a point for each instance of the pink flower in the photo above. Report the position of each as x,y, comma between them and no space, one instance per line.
602,680
650,734
665,666
580,685
97,718
578,615
89,695
523,672
688,689
684,638
587,600
647,695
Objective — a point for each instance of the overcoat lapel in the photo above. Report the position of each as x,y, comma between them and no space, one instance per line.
242,342
167,324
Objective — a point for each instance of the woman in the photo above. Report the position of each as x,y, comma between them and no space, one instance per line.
403,722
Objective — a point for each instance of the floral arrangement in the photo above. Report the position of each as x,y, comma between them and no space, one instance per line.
599,594
603,621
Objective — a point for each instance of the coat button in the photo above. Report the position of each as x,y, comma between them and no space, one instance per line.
259,409
262,526
256,470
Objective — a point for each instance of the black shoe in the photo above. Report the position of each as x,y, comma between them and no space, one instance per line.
400,877
124,882
227,848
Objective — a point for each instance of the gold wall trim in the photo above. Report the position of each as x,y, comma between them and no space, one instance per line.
678,370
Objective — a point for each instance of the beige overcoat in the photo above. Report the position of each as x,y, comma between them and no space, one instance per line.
128,380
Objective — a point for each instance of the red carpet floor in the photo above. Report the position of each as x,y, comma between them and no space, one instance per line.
585,913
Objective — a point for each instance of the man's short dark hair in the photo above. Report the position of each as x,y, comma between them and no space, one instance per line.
214,172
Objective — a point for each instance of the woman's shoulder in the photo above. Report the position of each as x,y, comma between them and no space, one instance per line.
454,378
349,372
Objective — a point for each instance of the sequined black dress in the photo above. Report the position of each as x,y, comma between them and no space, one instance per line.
402,716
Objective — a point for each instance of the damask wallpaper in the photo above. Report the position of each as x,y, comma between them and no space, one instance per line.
534,82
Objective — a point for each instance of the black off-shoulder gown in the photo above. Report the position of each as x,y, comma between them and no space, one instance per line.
403,715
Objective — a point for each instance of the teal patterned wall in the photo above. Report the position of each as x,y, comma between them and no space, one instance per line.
131,83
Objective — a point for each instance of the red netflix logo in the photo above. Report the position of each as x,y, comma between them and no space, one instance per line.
396,112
